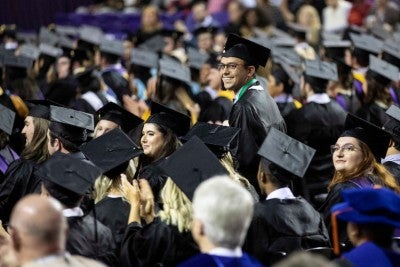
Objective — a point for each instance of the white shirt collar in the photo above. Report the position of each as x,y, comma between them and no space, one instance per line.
74,212
394,158
319,98
281,193
226,252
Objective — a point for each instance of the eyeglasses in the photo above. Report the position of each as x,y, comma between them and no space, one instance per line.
230,66
346,148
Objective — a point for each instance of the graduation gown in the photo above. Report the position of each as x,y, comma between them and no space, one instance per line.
373,113
217,261
254,113
113,212
394,169
156,244
81,240
284,225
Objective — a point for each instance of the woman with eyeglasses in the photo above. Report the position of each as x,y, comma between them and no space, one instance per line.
356,156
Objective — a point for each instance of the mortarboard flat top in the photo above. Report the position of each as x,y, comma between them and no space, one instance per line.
175,70
113,47
284,42
217,137
66,30
110,150
369,206
393,124
392,48
287,55
192,164
383,68
17,61
119,115
380,32
41,108
196,58
7,117
27,37
69,173
374,137
337,44
264,41
366,42
322,70
179,123
155,43
66,42
90,34
72,117
331,36
286,152
50,50
145,58
295,77
298,30
30,51
47,37
246,50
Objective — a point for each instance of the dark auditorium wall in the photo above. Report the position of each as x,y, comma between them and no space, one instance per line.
31,14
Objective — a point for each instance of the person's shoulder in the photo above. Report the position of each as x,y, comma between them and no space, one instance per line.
199,260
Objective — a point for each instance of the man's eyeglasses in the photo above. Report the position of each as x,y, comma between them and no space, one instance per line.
230,66
346,148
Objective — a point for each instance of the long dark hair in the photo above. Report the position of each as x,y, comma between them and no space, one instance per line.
37,150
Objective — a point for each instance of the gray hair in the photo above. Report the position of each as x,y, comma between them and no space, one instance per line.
225,208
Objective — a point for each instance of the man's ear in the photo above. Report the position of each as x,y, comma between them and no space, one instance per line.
251,71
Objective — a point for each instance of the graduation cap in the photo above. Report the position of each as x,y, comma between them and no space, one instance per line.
155,43
17,61
30,51
41,108
369,206
47,37
336,49
200,30
384,71
321,69
218,138
175,70
179,123
192,164
331,36
50,50
84,76
145,58
90,34
69,173
391,52
393,124
366,42
196,58
111,151
66,42
27,37
72,117
380,32
122,117
9,30
66,30
293,75
299,31
374,137
7,117
113,47
284,42
287,55
264,41
288,157
252,53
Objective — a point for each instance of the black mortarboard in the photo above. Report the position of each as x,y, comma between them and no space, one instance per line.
287,55
331,36
336,49
8,30
175,70
66,30
72,117
391,52
179,123
69,173
384,71
17,61
79,54
7,117
30,51
113,47
196,58
41,108
192,164
322,70
66,42
122,117
297,30
145,58
380,32
201,30
262,40
155,43
218,138
366,42
393,124
252,53
47,37
90,34
84,76
111,150
374,137
294,76
50,50
27,37
284,42
288,156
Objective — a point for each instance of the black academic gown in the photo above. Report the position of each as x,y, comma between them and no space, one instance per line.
394,169
254,113
156,244
82,240
114,213
373,113
284,225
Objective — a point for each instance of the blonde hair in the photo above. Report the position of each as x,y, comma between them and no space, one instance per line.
177,208
227,162
308,16
103,185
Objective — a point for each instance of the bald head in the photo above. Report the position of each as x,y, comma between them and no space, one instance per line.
39,222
